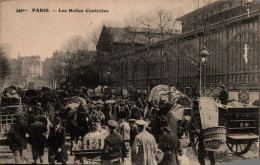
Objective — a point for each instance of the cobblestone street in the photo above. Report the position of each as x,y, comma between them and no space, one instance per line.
7,158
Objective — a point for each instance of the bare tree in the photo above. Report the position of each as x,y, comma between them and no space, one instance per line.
159,27
74,44
4,65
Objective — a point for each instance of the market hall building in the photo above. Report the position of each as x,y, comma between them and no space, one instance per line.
230,32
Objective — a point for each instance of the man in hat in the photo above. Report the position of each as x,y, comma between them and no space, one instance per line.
223,96
144,147
133,130
121,114
17,138
170,146
135,113
38,138
56,143
125,130
38,109
114,147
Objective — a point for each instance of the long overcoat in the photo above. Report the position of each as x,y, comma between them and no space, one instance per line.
57,140
144,149
17,136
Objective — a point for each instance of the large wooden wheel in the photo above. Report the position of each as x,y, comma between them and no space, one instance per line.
240,147
194,128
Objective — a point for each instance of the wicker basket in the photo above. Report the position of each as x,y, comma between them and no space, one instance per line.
214,137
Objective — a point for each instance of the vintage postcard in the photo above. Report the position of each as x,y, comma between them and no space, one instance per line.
129,82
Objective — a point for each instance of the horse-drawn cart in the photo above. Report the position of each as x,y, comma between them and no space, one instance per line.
240,122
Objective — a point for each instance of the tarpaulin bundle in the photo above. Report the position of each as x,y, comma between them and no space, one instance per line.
161,92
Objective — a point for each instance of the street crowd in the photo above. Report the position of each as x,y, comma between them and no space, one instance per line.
149,129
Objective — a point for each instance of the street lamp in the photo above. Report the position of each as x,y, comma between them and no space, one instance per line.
204,55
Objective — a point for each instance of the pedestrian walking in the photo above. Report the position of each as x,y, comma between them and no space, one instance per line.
56,143
133,130
144,147
17,139
202,152
121,114
170,146
38,139
114,149
124,129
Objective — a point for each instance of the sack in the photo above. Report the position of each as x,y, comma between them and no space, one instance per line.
159,156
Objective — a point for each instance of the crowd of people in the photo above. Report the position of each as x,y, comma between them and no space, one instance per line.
148,128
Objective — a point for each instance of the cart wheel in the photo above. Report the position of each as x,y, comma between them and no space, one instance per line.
194,126
239,149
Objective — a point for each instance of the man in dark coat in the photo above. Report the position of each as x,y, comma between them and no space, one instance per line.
17,139
38,109
135,113
133,130
114,147
223,96
38,139
170,146
140,105
56,143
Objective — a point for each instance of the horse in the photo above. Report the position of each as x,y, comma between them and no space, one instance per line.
75,122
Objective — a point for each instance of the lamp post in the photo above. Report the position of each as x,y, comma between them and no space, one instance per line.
107,72
204,55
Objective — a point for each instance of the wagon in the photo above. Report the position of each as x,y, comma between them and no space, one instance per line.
241,126
91,146
8,116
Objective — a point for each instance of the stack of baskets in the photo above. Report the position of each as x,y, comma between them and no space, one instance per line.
214,137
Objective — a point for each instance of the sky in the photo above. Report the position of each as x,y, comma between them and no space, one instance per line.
41,33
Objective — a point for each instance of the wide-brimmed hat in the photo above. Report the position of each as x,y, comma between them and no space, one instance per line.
112,123
141,122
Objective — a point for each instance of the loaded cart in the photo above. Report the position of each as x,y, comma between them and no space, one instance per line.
91,147
237,126
9,110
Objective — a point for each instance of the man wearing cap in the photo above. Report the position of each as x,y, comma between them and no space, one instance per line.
133,130
17,138
144,148
114,147
56,143
223,96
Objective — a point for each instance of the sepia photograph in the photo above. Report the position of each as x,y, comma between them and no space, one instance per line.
120,82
